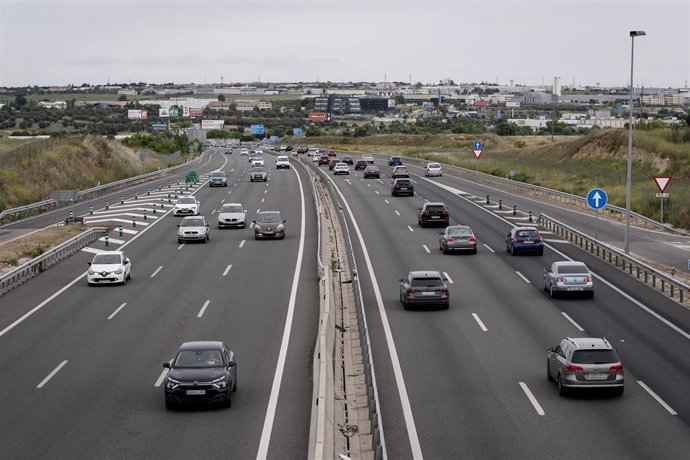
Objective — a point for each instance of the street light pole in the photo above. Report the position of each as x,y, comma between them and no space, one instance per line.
628,183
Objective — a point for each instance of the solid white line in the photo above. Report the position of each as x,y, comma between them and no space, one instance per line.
397,212
280,367
92,250
572,321
156,272
159,381
52,374
448,277
523,277
426,249
111,240
112,315
203,309
658,399
479,321
242,243
227,270
532,399
487,247
411,229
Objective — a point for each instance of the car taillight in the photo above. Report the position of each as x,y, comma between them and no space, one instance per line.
588,279
539,240
449,239
616,368
516,240
561,279
472,239
409,290
444,289
574,368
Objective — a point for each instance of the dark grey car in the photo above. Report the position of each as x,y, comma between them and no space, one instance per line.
457,238
269,224
421,288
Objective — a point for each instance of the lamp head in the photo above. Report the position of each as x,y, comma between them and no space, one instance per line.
637,33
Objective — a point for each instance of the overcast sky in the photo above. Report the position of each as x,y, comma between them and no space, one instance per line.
56,42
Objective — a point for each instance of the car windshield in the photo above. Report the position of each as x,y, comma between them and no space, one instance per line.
595,357
573,269
198,359
268,217
427,282
102,259
527,233
217,174
460,232
231,208
282,159
187,200
192,223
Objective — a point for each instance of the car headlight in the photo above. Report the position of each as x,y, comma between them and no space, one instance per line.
91,272
119,271
257,227
221,382
280,227
171,383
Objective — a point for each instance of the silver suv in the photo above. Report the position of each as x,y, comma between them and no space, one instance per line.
421,288
585,363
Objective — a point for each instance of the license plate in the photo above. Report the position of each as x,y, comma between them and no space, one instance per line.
428,293
403,188
527,241
196,392
435,217
462,240
575,288
596,376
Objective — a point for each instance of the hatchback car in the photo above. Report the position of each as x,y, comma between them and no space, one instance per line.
186,206
433,214
368,158
568,277
372,171
457,238
402,187
400,171
217,179
433,169
258,173
324,160
109,267
341,168
395,161
333,162
585,362
232,215
193,228
282,162
361,165
348,160
424,288
330,152
524,239
269,224
200,372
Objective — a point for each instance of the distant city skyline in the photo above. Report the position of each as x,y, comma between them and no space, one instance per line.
56,42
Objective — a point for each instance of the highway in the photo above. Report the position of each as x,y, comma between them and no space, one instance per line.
82,373
472,380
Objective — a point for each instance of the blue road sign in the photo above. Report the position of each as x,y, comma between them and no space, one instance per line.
297,131
597,198
256,129
477,145
499,115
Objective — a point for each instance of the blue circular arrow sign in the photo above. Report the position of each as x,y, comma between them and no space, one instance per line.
478,145
597,198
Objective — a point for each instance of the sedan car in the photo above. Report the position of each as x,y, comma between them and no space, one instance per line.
368,158
282,162
568,277
433,169
232,215
372,171
258,173
201,372
400,171
424,288
585,362
186,206
457,238
269,224
341,168
433,213
524,239
324,160
332,164
361,165
348,160
193,228
217,179
109,267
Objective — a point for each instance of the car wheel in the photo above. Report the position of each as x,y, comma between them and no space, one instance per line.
444,250
562,390
474,251
619,391
179,241
169,405
206,239
541,252
551,292
512,250
228,402
129,275
124,280
590,295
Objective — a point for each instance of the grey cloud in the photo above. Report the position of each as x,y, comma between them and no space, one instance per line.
90,61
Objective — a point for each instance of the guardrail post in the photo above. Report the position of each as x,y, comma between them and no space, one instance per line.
487,200
160,188
515,210
145,216
107,205
136,196
91,210
530,217
120,230
148,191
107,240
71,215
134,221
122,199
154,210
500,205
168,184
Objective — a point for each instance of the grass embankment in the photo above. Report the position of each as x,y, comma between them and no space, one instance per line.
30,171
570,164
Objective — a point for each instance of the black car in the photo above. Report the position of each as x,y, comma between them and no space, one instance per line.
348,160
269,224
372,171
360,165
433,213
201,372
395,161
402,187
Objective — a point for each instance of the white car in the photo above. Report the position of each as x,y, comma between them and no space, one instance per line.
257,162
313,152
433,169
259,152
232,215
244,152
282,162
193,228
109,267
186,206
368,158
341,168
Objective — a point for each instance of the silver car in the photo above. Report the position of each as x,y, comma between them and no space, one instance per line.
424,288
193,228
457,238
232,215
585,363
258,173
433,169
568,277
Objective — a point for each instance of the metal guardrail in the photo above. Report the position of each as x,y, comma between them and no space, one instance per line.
41,263
668,285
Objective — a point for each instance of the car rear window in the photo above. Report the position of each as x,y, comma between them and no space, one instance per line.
595,357
427,282
436,208
402,183
460,232
573,269
434,165
527,234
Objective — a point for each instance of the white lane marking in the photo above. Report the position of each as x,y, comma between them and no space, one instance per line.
251,225
262,199
532,399
397,212
180,246
52,374
426,249
368,185
242,243
448,277
265,192
412,435
487,247
91,250
156,272
546,240
112,315
203,309
223,200
111,240
379,181
161,377
572,321
348,181
523,277
280,366
658,399
387,202
479,321
258,210
227,269
229,192
213,212
377,192
410,228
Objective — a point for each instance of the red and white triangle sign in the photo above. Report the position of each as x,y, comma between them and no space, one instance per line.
662,182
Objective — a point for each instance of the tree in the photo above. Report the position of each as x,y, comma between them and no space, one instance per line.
399,99
19,101
506,129
221,97
122,97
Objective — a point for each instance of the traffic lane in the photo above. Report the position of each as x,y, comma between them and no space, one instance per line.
433,351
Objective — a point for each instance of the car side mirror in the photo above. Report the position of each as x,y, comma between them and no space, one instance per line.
402,280
284,220
232,364
126,261
253,222
166,365
442,233
178,225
